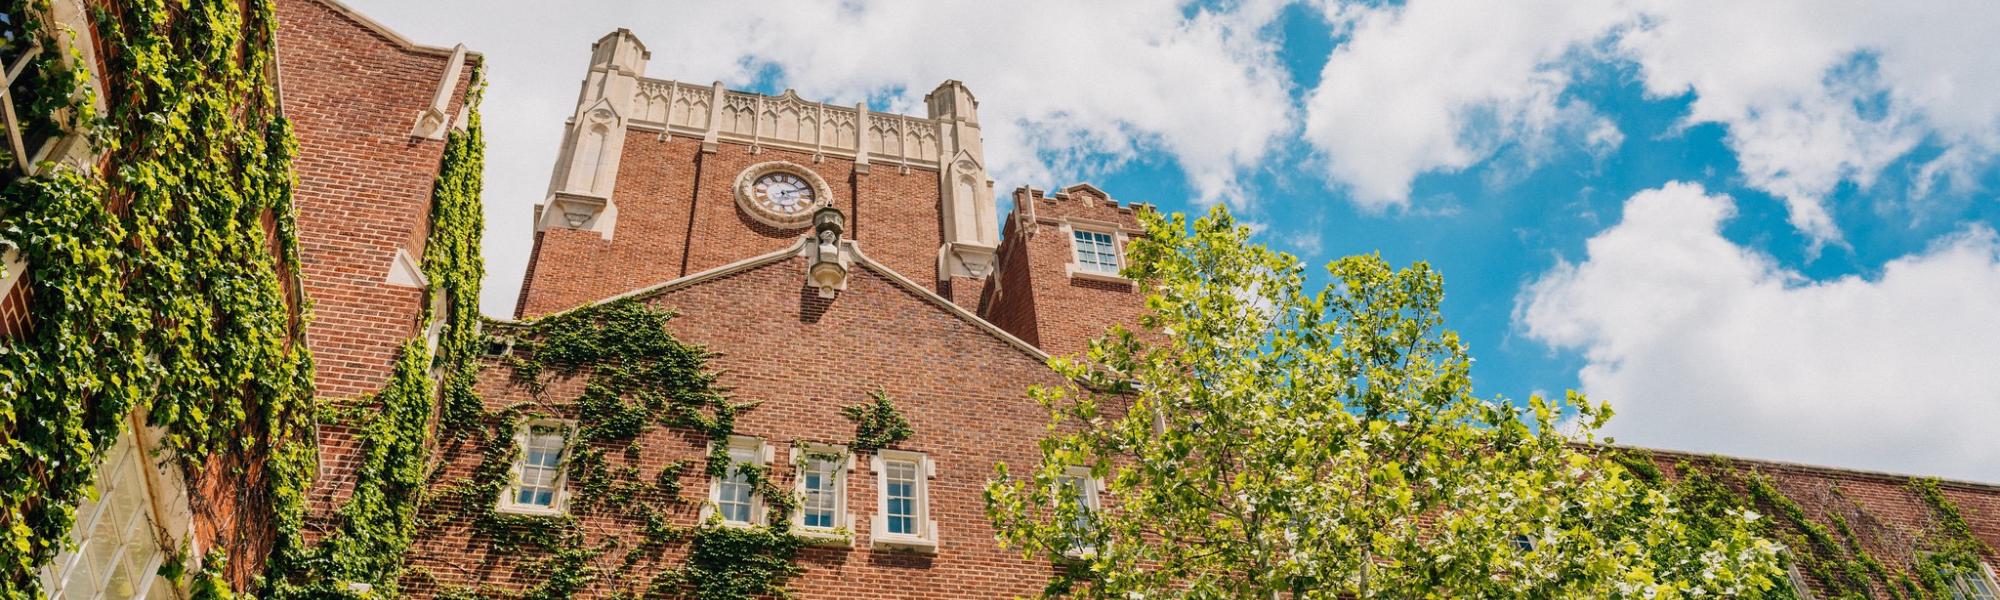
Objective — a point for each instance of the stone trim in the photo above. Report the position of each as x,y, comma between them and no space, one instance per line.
859,257
1818,470
786,122
432,122
384,30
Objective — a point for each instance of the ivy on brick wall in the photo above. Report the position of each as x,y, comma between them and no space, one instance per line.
1827,548
637,378
155,281
392,427
877,424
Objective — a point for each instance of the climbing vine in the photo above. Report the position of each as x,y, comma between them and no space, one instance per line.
379,519
635,378
1829,550
877,424
155,281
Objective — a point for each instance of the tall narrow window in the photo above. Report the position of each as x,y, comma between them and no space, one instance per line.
822,488
901,495
1095,252
733,499
822,501
1078,489
734,494
903,520
538,472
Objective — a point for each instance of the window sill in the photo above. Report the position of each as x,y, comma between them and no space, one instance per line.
1095,276
530,510
720,522
903,542
825,537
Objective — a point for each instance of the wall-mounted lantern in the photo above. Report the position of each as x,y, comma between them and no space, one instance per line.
828,272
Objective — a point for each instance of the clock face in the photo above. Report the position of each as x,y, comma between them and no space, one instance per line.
782,193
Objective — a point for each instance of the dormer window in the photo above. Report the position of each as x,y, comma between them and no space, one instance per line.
1096,252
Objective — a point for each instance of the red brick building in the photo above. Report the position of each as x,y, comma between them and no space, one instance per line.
700,200
371,109
703,201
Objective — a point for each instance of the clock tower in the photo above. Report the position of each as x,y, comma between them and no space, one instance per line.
660,179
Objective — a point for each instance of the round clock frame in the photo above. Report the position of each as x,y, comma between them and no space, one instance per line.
747,197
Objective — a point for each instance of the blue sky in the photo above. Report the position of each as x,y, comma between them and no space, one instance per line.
1761,228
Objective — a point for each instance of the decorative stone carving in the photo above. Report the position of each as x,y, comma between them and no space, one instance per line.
432,122
972,231
581,188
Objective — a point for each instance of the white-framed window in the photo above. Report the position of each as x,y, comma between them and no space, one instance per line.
1096,251
114,549
538,472
1975,585
733,497
902,517
822,488
1078,487
1521,542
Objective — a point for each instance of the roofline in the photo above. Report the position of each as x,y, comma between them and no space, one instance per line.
386,32
795,250
1830,470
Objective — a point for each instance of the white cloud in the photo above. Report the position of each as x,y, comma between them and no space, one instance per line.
1704,345
1067,89
1813,93
1438,85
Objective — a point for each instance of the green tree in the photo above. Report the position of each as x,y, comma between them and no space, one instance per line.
1258,440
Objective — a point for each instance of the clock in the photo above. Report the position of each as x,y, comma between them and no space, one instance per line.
781,194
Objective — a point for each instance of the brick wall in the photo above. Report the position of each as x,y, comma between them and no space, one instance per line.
803,357
1888,519
677,215
364,192
1034,296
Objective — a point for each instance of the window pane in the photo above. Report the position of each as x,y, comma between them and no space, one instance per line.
1095,252
900,496
820,502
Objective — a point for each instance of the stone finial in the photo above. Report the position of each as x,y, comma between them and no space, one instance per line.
971,228
952,102
620,51
580,191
